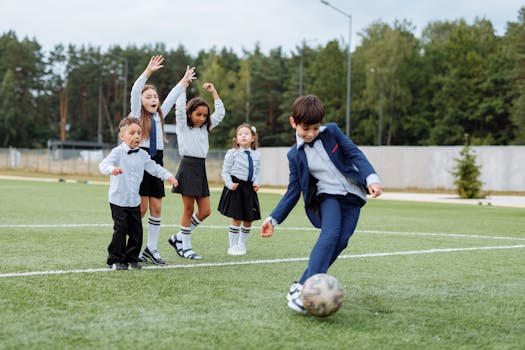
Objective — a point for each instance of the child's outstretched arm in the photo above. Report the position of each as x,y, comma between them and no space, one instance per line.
219,113
177,90
188,77
155,63
211,89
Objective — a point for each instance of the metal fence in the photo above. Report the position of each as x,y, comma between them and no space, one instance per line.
85,162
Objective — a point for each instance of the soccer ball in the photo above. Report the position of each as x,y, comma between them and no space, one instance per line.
322,295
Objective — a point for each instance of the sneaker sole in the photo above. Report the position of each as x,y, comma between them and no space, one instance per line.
296,307
153,260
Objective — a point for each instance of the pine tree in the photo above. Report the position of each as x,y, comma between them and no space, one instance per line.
467,173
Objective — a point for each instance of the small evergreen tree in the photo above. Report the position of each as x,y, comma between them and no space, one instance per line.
467,173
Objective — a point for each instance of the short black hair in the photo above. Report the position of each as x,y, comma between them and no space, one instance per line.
307,110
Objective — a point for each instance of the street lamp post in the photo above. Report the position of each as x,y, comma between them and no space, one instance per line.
349,68
301,65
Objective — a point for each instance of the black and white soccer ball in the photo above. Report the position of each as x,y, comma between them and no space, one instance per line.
322,295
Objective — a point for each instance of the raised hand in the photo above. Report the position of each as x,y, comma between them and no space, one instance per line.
209,87
155,63
189,76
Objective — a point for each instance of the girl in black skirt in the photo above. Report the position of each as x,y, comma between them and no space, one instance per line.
194,122
146,106
240,171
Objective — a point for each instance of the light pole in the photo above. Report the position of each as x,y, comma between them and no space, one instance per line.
301,65
349,68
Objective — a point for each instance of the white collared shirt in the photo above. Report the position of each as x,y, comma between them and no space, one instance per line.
167,105
193,142
124,188
236,164
330,179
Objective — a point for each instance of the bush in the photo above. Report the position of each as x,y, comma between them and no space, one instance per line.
467,173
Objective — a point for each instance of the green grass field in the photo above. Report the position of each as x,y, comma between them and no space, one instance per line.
416,276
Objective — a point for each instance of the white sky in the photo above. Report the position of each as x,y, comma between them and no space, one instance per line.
236,24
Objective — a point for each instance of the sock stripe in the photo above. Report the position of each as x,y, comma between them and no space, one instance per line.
195,220
154,221
185,230
234,229
245,229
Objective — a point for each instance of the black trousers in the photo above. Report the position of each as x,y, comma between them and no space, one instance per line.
126,222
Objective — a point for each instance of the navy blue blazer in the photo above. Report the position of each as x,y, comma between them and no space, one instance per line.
346,157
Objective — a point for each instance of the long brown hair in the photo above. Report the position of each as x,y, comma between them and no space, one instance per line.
192,105
253,145
146,118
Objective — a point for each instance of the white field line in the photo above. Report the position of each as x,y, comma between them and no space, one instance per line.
272,261
398,233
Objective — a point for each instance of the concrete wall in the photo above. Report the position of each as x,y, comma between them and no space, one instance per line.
400,167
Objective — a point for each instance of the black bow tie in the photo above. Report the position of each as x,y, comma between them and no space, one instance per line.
311,143
133,150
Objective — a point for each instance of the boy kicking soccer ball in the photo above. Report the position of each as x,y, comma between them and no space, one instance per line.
333,176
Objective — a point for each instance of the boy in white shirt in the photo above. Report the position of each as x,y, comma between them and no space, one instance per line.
126,164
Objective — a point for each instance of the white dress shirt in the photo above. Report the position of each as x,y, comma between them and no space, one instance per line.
136,106
124,188
331,180
236,164
193,142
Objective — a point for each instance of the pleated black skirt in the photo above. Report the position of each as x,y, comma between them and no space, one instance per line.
241,204
192,178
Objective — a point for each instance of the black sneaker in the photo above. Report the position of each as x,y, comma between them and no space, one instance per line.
143,260
118,266
154,256
135,265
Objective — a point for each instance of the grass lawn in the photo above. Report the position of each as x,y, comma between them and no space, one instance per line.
416,276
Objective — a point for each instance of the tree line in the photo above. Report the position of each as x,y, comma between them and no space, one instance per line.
457,79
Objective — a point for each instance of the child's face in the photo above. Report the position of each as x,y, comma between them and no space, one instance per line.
131,135
150,100
306,132
199,115
244,137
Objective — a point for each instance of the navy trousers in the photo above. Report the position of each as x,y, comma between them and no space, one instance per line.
339,216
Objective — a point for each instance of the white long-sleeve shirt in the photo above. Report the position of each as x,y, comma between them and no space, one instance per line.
124,188
236,164
167,104
193,142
